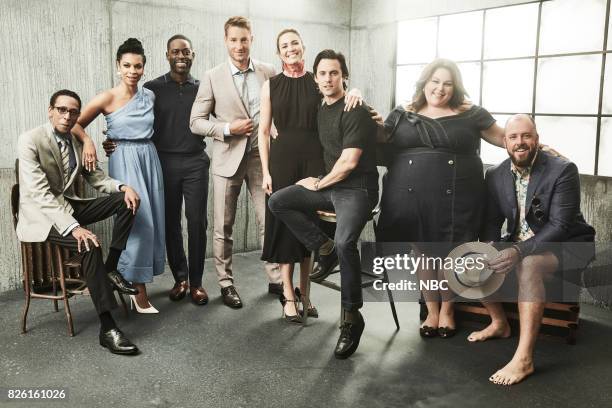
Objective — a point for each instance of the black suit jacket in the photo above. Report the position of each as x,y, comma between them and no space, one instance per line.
552,204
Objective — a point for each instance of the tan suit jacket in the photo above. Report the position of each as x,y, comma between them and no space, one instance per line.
42,190
217,103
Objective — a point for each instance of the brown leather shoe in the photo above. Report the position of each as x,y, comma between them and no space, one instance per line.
231,297
198,295
178,291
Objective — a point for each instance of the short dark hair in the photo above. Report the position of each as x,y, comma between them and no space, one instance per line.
131,46
237,21
331,54
178,37
64,92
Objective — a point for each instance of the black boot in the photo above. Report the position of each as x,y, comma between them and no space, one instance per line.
351,329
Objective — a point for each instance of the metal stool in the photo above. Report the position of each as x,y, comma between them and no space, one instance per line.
368,282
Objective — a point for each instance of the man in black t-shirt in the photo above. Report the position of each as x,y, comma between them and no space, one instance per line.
350,189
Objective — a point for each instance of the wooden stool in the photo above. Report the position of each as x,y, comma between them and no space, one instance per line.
368,282
560,319
51,262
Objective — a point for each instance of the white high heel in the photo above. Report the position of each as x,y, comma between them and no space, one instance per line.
146,310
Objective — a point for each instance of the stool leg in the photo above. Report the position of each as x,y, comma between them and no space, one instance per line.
123,304
306,294
49,256
391,302
25,264
64,292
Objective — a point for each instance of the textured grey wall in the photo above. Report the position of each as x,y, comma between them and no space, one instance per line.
56,44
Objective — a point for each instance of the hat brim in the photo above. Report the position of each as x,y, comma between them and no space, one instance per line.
488,287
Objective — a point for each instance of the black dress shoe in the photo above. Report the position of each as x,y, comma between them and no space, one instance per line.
275,288
121,284
116,342
350,334
325,266
231,297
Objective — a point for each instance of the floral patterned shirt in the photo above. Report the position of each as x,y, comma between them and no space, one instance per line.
521,182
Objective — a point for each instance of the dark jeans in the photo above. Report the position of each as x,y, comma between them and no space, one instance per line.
94,271
186,177
296,206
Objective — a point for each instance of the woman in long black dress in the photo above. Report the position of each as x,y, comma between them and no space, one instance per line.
291,99
434,187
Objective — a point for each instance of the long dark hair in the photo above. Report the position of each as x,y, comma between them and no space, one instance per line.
459,92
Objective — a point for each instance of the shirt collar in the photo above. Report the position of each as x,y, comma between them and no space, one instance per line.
235,69
168,78
61,138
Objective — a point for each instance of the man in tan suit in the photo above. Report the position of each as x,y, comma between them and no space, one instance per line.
49,209
226,108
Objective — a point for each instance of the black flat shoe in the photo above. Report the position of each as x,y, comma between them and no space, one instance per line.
428,331
446,332
121,284
116,342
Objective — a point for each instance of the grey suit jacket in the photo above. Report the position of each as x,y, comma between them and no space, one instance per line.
218,103
42,190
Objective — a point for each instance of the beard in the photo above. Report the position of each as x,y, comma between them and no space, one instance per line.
527,160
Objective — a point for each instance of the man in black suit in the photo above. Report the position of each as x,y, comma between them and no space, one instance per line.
538,194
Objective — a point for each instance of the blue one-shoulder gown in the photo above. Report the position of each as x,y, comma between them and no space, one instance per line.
135,163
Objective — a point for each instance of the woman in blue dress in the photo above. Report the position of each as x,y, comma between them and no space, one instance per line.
128,111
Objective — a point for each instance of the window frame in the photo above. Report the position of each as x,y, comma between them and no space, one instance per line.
603,52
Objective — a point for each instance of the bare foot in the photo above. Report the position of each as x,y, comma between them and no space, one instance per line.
514,372
492,331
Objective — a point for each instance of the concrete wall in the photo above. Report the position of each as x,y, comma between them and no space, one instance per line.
54,44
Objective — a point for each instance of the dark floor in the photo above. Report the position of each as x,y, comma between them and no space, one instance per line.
213,356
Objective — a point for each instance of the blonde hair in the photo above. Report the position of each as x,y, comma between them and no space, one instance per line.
237,21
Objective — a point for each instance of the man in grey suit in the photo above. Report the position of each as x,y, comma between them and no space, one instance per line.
49,209
538,195
226,108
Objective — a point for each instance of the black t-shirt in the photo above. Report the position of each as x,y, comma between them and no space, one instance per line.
340,130
172,109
